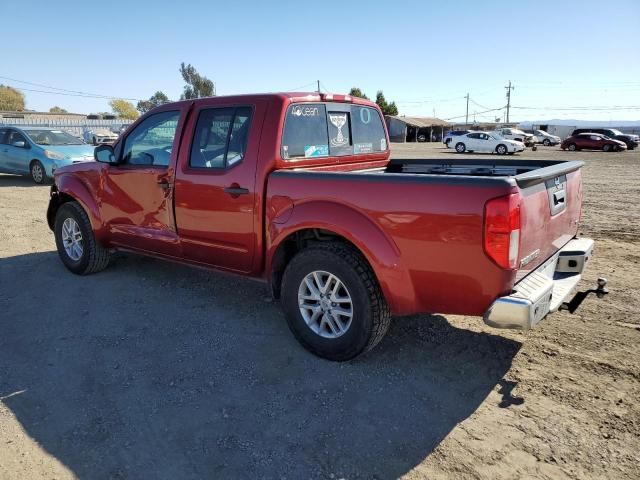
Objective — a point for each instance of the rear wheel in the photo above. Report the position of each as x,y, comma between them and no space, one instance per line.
501,149
76,242
38,174
606,147
572,147
333,303
461,147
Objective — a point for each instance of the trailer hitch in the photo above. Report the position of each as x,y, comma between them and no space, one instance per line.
579,297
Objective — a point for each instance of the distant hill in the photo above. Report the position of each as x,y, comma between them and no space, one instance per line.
584,123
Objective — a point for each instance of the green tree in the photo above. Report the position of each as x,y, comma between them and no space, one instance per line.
124,109
11,99
57,109
356,92
387,108
156,99
196,86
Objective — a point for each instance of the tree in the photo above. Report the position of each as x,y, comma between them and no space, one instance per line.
11,99
57,109
387,108
156,99
356,92
124,109
196,86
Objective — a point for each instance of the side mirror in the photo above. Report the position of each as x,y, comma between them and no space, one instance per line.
19,144
105,154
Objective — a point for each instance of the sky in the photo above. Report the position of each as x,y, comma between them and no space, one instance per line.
566,59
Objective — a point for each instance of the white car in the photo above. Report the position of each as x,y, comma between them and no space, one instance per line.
486,142
517,135
546,138
99,136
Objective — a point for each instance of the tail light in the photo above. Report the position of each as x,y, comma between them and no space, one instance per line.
502,230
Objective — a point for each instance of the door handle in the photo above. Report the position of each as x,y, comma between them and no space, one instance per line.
164,184
236,190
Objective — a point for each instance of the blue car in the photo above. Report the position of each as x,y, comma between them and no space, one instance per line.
38,151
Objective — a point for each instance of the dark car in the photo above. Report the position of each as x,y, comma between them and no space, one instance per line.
592,141
454,133
631,141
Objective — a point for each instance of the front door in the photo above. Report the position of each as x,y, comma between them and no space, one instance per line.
137,194
216,199
16,151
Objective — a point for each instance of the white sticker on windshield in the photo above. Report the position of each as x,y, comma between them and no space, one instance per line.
362,148
383,144
338,121
316,150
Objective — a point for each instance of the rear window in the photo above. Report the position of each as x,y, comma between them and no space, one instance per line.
333,129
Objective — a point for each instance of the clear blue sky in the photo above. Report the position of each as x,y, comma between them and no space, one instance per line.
425,56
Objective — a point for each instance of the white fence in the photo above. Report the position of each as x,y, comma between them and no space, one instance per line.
73,126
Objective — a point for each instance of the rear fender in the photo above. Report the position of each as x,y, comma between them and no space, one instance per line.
68,187
379,250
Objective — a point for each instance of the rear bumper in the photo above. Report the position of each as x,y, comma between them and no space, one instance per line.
544,290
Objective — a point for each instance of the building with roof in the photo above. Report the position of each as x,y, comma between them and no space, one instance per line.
415,129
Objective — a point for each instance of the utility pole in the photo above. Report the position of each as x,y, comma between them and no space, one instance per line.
509,88
318,86
466,119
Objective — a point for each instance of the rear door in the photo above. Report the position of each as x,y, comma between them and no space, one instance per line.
216,196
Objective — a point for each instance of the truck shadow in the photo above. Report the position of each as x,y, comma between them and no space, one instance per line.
151,370
9,180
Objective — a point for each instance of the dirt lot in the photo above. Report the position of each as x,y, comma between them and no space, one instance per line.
152,370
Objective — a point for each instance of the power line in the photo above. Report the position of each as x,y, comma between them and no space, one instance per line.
75,93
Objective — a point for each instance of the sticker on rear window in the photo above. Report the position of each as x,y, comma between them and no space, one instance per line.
316,150
362,148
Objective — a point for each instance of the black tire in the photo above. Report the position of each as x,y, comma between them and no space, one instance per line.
461,147
94,256
447,142
501,149
371,317
38,173
572,147
606,147
95,142
546,142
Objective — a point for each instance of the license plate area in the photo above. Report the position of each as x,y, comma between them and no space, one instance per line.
557,193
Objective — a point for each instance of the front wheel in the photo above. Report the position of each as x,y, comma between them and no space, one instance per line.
546,142
38,174
76,242
501,149
573,147
333,303
606,148
461,147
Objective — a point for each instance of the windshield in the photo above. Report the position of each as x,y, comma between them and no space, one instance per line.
615,132
540,132
53,137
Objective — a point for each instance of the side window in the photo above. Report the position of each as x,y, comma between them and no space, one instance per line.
3,136
305,131
368,132
16,138
595,137
220,138
474,135
150,143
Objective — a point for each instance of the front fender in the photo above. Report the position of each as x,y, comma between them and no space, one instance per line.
377,247
68,185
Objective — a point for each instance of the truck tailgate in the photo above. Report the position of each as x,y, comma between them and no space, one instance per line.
550,210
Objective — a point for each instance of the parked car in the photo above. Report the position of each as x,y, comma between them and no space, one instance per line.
486,142
630,140
454,133
39,151
517,135
545,138
298,190
592,141
99,136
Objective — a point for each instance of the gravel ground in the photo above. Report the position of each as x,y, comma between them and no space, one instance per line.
152,370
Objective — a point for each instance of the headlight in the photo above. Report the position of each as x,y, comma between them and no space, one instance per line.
53,155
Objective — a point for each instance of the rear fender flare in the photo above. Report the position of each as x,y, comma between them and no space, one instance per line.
379,250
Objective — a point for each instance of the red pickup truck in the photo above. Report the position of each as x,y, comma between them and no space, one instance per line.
299,190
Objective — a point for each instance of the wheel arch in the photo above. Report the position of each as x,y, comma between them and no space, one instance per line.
338,223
